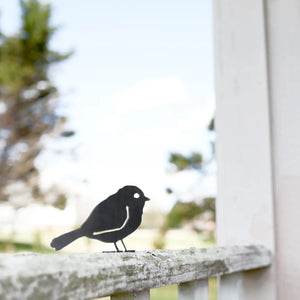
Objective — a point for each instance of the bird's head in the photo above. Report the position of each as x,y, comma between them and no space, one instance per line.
132,196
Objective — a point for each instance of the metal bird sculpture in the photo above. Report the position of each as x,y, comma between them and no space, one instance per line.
111,220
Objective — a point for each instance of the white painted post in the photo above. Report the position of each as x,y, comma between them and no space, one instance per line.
143,295
283,29
193,290
231,287
258,138
245,188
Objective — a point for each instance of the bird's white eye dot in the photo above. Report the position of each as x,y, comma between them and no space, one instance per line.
136,195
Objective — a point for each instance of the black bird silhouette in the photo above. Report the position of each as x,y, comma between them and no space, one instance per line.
111,220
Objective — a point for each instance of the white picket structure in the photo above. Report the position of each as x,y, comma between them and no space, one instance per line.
257,68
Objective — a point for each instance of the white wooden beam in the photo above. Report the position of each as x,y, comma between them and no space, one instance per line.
245,212
245,195
283,29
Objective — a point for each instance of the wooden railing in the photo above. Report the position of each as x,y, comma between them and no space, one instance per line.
123,275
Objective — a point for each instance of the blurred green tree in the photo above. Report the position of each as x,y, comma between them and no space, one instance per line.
27,99
187,212
182,162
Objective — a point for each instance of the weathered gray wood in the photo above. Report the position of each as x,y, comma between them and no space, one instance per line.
79,276
193,290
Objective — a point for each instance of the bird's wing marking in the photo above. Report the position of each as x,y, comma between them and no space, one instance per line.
115,229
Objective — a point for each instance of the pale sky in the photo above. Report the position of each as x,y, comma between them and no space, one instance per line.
139,86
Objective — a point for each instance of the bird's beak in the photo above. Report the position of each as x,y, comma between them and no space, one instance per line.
146,198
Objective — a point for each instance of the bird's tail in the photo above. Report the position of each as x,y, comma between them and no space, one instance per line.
65,239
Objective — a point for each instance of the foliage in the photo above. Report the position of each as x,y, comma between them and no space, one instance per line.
27,106
211,125
182,211
187,212
181,162
13,246
170,292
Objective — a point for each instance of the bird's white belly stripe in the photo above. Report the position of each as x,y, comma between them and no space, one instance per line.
115,229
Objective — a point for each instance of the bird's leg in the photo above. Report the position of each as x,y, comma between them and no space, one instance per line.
117,247
126,248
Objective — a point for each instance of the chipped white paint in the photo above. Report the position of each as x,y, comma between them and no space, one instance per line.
83,276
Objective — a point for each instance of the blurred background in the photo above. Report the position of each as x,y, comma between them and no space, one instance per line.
96,95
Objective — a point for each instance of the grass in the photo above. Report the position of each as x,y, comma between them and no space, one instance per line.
164,293
171,292
140,240
13,247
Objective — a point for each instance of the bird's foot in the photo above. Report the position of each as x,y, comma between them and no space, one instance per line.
132,251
